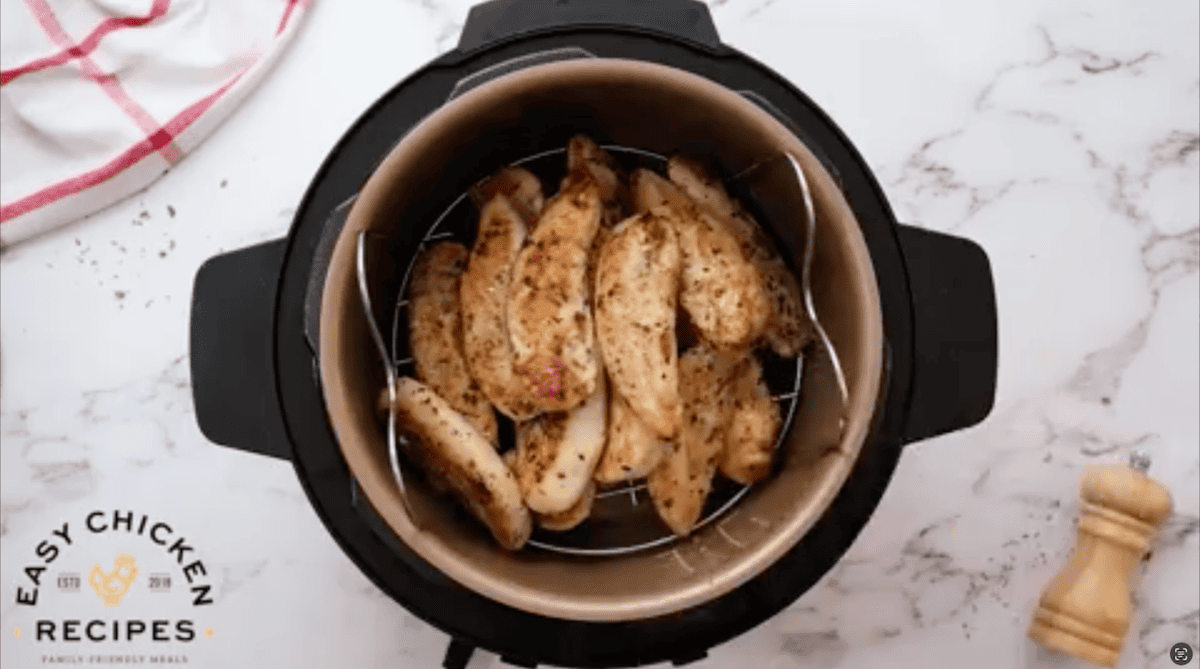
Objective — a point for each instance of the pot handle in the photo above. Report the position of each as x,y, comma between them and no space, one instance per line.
954,333
497,20
233,374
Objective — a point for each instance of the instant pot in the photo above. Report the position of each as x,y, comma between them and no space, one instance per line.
282,364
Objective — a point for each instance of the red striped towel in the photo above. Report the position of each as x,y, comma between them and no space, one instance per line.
99,97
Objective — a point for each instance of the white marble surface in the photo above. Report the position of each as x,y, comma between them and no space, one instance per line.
1060,136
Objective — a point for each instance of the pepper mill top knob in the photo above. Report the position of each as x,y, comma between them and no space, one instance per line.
1129,490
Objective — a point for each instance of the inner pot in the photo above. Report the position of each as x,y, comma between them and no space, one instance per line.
651,108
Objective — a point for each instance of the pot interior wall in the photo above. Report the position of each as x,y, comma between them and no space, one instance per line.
647,107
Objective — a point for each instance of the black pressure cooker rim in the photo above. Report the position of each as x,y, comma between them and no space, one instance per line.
287,418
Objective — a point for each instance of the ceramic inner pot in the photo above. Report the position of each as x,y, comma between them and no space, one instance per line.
647,107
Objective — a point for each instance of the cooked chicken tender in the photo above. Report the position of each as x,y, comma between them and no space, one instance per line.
633,449
680,484
753,424
567,316
572,517
435,330
520,186
557,453
549,309
637,280
452,451
583,153
722,292
788,330
484,290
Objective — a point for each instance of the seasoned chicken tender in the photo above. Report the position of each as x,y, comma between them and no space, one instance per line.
435,335
572,517
583,153
557,453
753,424
788,329
484,289
549,310
680,484
698,183
582,149
637,280
722,292
453,452
633,449
520,186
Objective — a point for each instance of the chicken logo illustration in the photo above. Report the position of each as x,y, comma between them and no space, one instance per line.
112,586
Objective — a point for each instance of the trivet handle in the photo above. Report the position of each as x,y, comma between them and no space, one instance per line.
498,20
954,333
233,374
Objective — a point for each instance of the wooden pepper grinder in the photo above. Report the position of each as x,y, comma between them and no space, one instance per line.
1085,610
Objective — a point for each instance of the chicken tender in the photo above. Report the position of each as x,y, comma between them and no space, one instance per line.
722,292
520,186
549,310
637,280
633,449
680,484
557,453
453,452
484,290
788,330
435,331
572,517
753,425
583,153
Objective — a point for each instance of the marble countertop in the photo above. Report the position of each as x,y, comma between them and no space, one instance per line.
1062,137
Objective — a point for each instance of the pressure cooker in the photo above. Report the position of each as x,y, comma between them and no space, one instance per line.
283,366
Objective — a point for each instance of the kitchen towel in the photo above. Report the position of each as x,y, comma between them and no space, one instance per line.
98,98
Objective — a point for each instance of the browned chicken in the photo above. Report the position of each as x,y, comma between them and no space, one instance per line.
583,153
557,453
453,452
522,188
564,520
633,449
567,316
572,517
752,425
722,292
435,327
637,280
549,305
484,291
680,483
788,330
